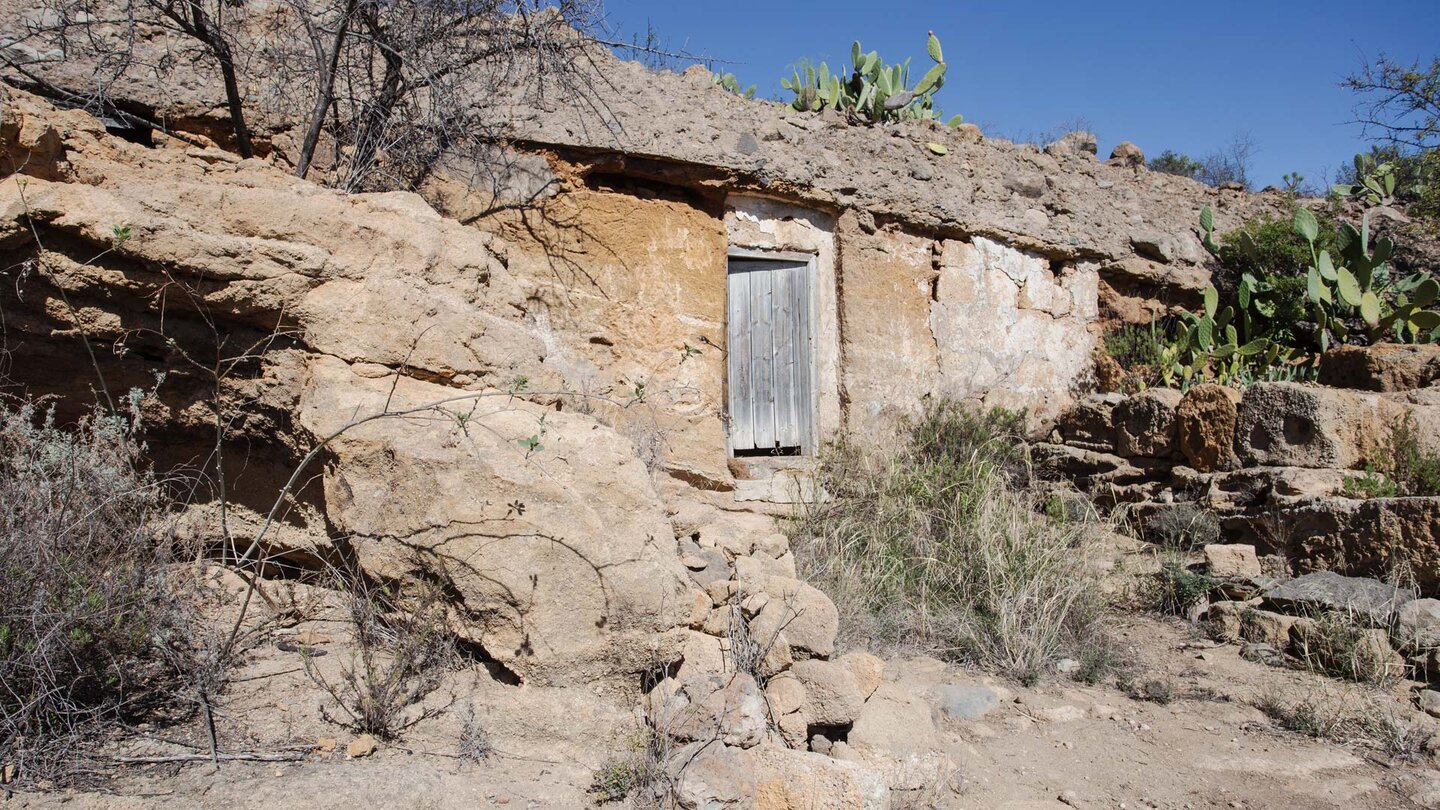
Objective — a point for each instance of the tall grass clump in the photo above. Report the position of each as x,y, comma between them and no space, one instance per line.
86,614
939,541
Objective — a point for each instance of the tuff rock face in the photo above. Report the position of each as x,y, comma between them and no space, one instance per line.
560,557
524,406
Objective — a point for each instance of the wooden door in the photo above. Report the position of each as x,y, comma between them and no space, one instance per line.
769,351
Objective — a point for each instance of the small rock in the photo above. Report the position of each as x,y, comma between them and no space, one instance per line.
1145,424
966,702
1232,561
1262,653
1127,154
1067,666
1367,599
1266,627
1153,244
1428,794
1079,143
754,603
325,745
1429,702
1063,714
1069,797
867,669
362,746
820,744
1206,418
1102,712
1418,624
832,697
785,694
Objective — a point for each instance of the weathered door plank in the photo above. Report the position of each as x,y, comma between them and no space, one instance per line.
762,356
804,357
742,430
769,353
785,332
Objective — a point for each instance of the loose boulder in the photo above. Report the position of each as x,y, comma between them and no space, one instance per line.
727,708
1381,367
805,617
1417,625
1232,561
1205,423
1292,425
1127,154
1366,599
559,592
786,779
1145,424
1088,424
831,696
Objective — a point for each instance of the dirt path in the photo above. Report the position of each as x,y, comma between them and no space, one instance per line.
1054,746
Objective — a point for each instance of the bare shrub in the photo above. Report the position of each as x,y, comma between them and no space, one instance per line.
939,542
1345,646
85,600
1176,590
640,772
474,741
1353,715
401,650
1183,527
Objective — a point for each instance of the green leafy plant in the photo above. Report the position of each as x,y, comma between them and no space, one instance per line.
1183,527
532,443
1404,468
1345,293
95,621
1136,345
1294,183
1373,484
1211,342
1172,162
728,82
1178,589
1374,181
1268,246
1360,284
870,90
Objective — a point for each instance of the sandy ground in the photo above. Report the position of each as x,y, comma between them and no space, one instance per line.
1053,746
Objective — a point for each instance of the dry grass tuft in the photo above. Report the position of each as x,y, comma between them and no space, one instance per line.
940,542
1353,715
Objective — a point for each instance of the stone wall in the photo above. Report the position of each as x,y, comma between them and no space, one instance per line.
623,281
1271,462
982,273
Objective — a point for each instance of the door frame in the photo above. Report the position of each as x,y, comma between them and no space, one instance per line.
811,440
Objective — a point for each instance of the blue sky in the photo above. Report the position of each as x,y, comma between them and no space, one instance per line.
1187,76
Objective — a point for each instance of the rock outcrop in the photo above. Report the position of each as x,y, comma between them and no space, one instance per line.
558,554
1274,464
